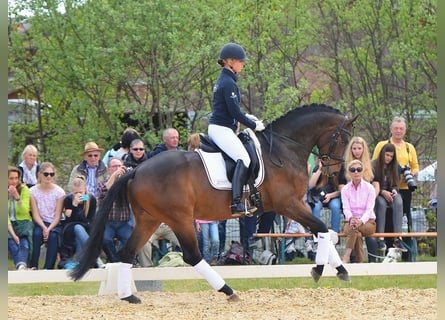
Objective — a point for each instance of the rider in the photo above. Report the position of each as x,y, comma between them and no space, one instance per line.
226,114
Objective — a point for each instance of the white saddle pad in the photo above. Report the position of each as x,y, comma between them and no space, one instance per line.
215,167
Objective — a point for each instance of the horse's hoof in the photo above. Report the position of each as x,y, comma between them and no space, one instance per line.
315,275
343,276
233,298
132,299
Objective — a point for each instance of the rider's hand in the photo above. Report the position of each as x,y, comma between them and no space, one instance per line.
251,117
259,125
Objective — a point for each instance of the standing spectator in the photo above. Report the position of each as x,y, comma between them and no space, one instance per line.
46,205
210,240
358,198
118,222
225,118
122,148
325,193
193,141
407,158
136,155
358,149
91,167
170,138
79,210
386,170
20,224
29,166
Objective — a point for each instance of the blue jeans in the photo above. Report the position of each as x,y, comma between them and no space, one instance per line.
52,246
19,252
81,236
335,206
210,240
115,229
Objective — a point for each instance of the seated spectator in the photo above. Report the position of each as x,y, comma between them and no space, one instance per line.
210,240
325,193
136,155
118,222
163,232
20,224
358,198
122,148
386,172
91,167
29,166
79,210
46,206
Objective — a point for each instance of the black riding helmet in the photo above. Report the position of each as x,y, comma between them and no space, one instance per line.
231,51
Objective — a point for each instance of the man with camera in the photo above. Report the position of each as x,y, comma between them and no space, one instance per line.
407,158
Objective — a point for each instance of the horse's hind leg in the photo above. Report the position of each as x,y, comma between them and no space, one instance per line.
144,228
187,238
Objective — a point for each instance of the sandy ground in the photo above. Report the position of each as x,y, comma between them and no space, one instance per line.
270,304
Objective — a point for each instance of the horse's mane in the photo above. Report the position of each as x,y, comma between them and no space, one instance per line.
310,108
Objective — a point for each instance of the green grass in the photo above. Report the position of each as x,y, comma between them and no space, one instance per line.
360,283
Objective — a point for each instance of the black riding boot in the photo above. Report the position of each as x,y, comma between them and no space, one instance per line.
238,181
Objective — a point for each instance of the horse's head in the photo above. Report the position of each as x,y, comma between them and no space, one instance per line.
332,145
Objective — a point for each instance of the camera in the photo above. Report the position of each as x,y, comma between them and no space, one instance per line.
406,171
322,195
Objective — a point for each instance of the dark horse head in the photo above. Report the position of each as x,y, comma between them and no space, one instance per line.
172,187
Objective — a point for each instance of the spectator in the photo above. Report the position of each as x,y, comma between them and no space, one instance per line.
386,171
136,155
118,222
325,192
91,167
210,240
358,198
46,205
79,210
225,118
170,138
163,232
193,141
122,148
406,156
20,224
433,196
358,149
29,166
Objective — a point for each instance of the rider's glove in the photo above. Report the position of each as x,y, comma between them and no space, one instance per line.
259,125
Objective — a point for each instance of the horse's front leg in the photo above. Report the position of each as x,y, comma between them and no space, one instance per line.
189,244
326,251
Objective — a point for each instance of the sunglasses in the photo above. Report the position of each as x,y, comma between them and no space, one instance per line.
93,155
358,169
52,174
137,149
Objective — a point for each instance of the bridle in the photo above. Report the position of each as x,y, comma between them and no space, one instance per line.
333,141
324,157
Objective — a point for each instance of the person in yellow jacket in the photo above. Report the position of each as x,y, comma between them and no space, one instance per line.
407,158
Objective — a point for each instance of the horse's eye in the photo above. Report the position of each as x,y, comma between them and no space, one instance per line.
324,158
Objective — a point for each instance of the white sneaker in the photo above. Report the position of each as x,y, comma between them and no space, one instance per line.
21,267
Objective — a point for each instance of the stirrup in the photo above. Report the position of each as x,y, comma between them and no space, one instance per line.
239,208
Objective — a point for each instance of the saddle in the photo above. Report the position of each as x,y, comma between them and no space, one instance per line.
208,146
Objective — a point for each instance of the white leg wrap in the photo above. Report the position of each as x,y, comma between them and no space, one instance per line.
124,280
334,257
213,278
324,242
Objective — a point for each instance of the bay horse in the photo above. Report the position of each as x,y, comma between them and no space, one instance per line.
173,188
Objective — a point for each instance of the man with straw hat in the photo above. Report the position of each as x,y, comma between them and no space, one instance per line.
92,168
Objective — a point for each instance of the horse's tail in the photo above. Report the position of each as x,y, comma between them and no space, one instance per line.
93,246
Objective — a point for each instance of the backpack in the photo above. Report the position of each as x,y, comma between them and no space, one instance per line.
235,255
